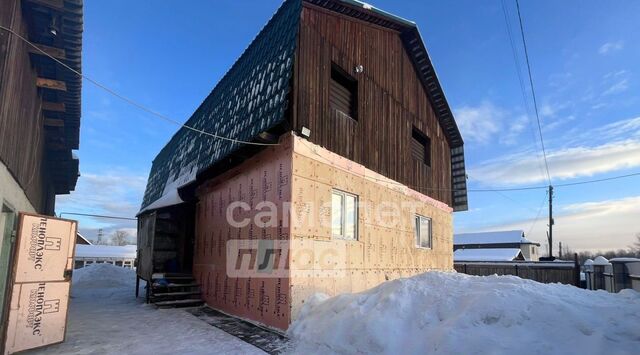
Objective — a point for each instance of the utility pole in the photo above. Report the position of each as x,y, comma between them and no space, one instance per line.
550,221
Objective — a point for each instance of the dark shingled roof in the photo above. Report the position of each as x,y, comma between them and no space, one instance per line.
252,97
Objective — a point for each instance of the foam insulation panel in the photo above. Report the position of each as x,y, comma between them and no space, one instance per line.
298,177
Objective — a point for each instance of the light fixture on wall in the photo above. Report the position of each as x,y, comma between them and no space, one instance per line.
53,26
305,132
359,69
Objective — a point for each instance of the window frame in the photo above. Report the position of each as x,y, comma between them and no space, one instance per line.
347,81
343,220
418,238
425,142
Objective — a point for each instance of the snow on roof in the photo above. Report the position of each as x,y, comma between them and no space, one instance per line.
497,254
497,237
624,260
600,260
106,251
588,262
83,238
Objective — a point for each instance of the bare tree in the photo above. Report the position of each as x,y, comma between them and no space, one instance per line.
120,237
636,245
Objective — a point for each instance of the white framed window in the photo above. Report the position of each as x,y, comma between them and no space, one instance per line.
344,215
423,232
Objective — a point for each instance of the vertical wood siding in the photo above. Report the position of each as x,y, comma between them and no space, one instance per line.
22,140
391,100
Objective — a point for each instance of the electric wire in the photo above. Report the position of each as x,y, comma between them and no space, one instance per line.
533,92
523,90
131,101
96,215
535,220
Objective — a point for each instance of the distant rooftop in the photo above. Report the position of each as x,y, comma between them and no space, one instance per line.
498,254
106,251
496,237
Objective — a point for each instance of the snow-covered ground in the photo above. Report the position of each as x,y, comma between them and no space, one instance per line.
432,313
105,318
449,313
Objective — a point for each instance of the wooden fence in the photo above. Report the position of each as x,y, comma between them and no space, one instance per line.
566,272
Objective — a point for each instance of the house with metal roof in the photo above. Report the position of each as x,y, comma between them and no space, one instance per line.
327,159
39,115
511,245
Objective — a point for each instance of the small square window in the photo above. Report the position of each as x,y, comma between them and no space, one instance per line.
420,146
344,215
343,92
423,232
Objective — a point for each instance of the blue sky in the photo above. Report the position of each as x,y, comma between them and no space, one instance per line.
584,56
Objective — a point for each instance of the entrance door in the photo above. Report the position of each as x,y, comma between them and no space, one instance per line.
40,282
7,236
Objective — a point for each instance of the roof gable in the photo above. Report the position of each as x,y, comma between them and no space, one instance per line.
415,47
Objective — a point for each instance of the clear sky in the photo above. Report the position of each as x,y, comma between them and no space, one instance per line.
584,55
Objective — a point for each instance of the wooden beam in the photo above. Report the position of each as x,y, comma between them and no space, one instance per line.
51,84
53,106
54,4
57,53
53,122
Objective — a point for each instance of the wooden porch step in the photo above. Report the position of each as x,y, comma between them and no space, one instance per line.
175,285
191,302
176,278
176,294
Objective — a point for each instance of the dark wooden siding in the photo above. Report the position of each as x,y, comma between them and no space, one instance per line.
391,101
22,136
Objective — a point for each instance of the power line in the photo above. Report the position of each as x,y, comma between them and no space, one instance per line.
497,189
515,201
523,91
535,220
597,180
533,92
97,215
128,100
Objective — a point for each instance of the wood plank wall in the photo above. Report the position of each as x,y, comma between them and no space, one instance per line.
391,100
22,140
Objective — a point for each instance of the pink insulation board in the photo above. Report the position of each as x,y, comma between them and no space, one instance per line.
261,180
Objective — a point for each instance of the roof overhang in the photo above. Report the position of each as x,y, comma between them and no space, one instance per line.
55,27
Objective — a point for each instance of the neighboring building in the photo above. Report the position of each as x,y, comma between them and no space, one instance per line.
80,239
494,246
124,256
351,96
39,112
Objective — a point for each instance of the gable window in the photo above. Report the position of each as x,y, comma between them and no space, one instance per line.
343,92
344,215
423,231
421,147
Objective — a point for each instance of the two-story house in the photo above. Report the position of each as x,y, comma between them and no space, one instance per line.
39,114
352,171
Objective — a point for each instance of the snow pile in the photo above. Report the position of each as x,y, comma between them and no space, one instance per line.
104,276
461,314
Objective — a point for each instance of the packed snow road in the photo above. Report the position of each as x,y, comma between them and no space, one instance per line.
105,318
431,313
